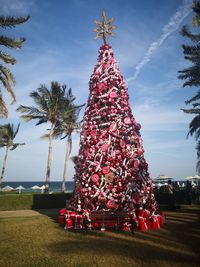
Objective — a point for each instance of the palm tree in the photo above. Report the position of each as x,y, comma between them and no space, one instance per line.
68,124
194,126
49,106
198,158
191,75
7,136
6,77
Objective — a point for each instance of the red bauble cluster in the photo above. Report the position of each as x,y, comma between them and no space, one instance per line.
111,172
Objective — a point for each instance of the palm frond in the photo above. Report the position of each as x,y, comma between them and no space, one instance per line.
3,108
74,159
191,75
191,50
196,9
40,100
197,134
192,111
8,133
29,117
45,136
44,92
7,80
15,145
185,32
7,74
55,88
196,105
194,125
16,131
70,96
11,42
198,158
8,59
10,21
194,98
31,111
42,120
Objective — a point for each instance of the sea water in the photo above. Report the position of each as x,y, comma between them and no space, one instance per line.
54,186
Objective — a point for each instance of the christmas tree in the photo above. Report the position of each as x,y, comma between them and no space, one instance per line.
111,175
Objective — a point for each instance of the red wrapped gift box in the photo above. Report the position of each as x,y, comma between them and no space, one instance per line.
69,224
62,211
126,227
143,224
155,222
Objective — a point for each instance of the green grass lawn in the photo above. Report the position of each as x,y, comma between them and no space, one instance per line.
40,241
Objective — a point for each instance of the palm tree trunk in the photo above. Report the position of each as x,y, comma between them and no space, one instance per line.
4,166
68,151
49,160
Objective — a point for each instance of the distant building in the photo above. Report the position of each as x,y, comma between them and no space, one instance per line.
162,179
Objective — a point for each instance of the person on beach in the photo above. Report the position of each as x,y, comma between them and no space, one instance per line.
170,189
188,190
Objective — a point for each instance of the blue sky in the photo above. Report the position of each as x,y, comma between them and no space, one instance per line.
60,46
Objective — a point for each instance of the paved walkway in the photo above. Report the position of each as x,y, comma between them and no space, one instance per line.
29,213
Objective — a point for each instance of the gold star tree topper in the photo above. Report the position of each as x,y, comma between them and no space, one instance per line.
104,28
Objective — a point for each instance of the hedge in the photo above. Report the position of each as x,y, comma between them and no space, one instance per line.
49,201
33,201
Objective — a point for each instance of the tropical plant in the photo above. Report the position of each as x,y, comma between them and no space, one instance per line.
194,126
6,77
191,75
68,124
7,136
49,105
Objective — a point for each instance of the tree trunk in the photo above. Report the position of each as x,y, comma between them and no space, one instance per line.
49,160
4,166
68,152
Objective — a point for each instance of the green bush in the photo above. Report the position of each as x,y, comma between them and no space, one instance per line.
33,201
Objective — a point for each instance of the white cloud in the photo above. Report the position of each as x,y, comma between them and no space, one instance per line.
173,24
153,118
16,6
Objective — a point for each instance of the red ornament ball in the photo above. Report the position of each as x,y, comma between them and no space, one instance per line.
111,204
127,120
106,170
104,147
95,178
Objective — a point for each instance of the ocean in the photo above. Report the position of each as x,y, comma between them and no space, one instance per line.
54,186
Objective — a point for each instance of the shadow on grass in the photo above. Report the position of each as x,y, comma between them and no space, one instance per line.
175,243
51,213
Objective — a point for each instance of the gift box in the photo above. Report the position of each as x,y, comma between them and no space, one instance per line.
155,222
62,211
143,224
69,224
94,225
146,214
159,219
140,212
126,227
70,214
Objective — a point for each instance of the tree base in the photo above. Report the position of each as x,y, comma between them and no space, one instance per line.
108,220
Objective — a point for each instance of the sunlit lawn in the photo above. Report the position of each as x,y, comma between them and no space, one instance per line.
40,241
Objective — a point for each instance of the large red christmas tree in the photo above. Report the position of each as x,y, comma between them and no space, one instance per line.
111,175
